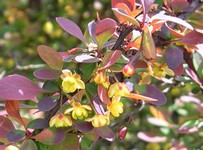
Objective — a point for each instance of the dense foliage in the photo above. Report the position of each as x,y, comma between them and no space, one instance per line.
121,82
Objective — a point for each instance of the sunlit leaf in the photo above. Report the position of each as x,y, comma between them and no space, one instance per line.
47,74
91,30
17,87
140,97
104,30
148,46
50,136
71,142
105,132
146,5
29,145
39,123
70,27
110,59
5,126
103,94
15,135
193,75
98,105
174,56
85,58
150,137
129,3
50,56
190,126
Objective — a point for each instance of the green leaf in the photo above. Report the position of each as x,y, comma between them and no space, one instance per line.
39,123
91,90
71,142
29,145
87,70
198,63
50,56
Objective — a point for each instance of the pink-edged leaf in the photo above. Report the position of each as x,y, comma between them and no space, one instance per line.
124,17
174,56
15,135
179,70
105,132
129,3
50,56
193,75
70,27
85,58
140,97
71,142
190,126
161,16
110,59
50,136
153,92
39,123
47,103
190,99
148,46
146,5
192,38
5,127
91,30
104,30
12,108
47,74
98,105
157,122
28,144
64,55
17,87
174,32
103,94
151,137
83,126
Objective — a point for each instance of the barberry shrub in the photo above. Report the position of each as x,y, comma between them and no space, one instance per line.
93,91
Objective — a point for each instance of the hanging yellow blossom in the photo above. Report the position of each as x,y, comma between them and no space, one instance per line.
71,82
116,107
78,111
100,78
99,120
118,89
60,120
161,70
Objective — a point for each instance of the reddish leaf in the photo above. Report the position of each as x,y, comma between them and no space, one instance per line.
192,38
146,5
50,136
15,135
39,123
47,74
174,56
104,30
110,59
174,32
129,3
47,103
5,127
71,142
148,46
179,70
155,93
50,56
150,137
70,27
103,94
17,87
179,5
28,145
123,17
12,108
105,132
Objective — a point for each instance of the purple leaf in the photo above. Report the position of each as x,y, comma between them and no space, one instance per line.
174,56
146,5
15,135
105,132
70,27
5,127
150,137
50,56
47,103
155,93
83,126
17,87
47,74
91,30
39,123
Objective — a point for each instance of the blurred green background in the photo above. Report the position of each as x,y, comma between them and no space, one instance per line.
25,24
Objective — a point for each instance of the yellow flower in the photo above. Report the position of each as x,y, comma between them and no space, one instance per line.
100,78
161,70
99,120
78,111
60,120
118,89
71,82
116,108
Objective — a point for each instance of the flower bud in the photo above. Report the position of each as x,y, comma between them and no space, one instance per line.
100,77
128,70
122,133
